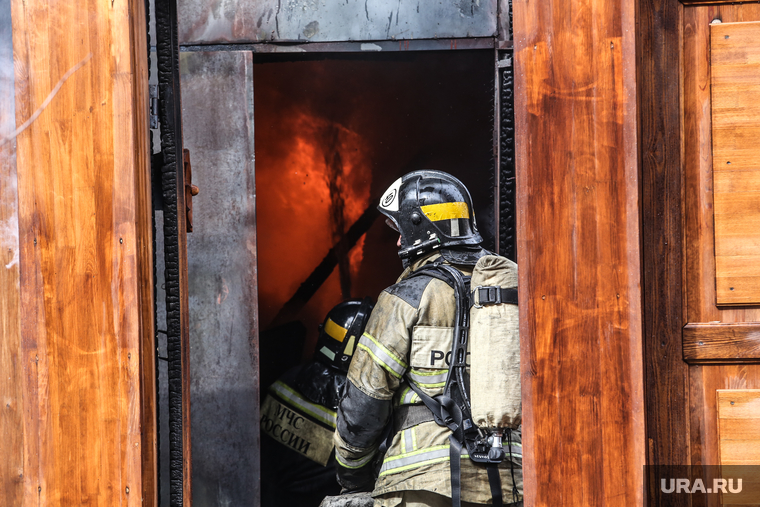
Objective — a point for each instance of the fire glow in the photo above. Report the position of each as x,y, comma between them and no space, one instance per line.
313,181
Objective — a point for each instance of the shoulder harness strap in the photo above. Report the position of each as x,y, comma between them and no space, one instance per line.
452,408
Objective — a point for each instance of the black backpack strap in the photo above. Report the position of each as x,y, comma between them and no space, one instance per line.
455,464
494,481
433,404
493,295
406,416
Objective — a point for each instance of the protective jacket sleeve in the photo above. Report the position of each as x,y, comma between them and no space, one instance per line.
375,374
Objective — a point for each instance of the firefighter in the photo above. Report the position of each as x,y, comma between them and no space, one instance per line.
298,415
408,340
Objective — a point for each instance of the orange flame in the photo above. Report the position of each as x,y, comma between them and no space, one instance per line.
313,181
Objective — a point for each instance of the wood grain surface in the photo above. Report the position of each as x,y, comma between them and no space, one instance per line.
722,342
11,380
700,239
735,65
578,245
705,381
706,426
738,419
85,273
660,99
727,333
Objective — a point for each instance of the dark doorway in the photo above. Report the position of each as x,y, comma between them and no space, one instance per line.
332,133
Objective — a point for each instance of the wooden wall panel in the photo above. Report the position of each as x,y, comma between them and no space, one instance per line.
734,67
713,334
706,381
85,254
578,230
701,296
11,394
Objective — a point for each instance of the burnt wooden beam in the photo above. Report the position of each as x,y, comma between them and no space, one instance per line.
175,253
314,281
506,205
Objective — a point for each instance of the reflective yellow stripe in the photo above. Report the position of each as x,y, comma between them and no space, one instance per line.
383,356
349,351
446,211
409,397
336,331
295,399
414,459
429,379
353,464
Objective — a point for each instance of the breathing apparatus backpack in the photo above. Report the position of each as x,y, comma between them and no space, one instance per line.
483,407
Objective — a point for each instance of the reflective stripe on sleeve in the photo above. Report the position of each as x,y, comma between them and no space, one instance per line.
409,440
409,397
353,463
432,378
384,357
318,412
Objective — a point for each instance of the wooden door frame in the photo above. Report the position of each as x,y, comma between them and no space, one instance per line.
659,78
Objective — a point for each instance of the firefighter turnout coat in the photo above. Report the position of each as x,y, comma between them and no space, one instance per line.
409,338
298,465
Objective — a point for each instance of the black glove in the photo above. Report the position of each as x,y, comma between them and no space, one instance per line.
355,480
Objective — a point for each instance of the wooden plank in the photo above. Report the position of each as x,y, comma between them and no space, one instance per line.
11,381
705,381
578,245
721,342
735,61
738,404
659,77
175,253
144,254
739,429
703,420
707,2
738,412
698,166
740,452
706,427
698,197
79,165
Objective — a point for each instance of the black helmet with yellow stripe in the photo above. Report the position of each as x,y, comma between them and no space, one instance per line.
430,209
340,332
